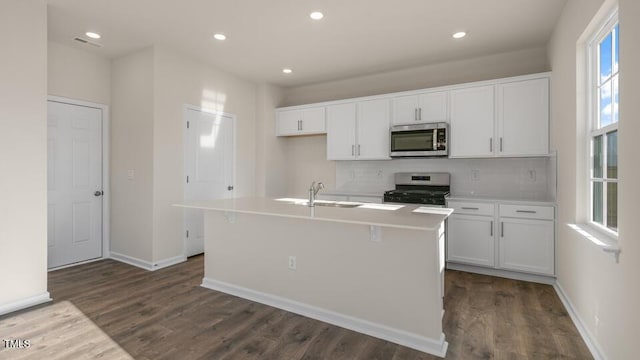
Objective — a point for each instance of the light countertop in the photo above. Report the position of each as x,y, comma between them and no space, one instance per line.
411,217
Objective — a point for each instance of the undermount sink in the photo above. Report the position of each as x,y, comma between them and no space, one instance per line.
334,204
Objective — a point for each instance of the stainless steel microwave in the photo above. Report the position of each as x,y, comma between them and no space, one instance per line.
419,140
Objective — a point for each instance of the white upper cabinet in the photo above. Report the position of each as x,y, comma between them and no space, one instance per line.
358,131
421,108
341,132
301,122
471,125
523,118
373,130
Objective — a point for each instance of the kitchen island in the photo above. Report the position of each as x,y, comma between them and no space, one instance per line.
373,268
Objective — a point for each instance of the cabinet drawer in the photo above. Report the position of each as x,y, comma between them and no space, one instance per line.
527,212
472,208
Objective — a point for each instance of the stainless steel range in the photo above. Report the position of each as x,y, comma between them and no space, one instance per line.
419,188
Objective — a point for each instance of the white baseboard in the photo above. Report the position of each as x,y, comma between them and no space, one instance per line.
436,347
25,303
590,340
549,280
143,264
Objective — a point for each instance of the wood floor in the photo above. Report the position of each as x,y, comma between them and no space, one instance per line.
166,315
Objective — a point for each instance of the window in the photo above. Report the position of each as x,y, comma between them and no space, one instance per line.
603,129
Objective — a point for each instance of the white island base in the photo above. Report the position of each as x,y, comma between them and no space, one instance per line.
382,280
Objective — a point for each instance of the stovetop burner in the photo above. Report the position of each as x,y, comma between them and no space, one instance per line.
419,188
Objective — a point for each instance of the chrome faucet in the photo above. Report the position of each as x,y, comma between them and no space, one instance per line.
313,191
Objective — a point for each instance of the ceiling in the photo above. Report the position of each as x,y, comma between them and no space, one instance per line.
356,37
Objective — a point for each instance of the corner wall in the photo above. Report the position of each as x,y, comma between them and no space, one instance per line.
132,151
603,294
23,154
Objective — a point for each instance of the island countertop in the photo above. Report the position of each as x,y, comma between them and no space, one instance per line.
386,215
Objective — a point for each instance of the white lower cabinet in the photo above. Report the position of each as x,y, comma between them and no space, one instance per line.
470,239
515,238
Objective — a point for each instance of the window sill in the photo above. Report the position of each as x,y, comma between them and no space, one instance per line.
607,242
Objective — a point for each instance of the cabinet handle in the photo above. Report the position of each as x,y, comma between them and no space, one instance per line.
358,149
490,144
500,144
526,211
298,125
353,150
501,229
301,123
491,229
415,114
420,114
470,208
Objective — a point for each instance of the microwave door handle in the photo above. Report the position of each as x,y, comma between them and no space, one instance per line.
435,139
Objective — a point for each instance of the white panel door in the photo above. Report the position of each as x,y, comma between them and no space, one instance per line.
523,118
470,240
372,141
209,165
341,132
472,119
74,181
527,245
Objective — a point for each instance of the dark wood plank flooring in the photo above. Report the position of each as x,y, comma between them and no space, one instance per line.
166,315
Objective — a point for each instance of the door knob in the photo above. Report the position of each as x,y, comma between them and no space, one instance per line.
98,193
229,187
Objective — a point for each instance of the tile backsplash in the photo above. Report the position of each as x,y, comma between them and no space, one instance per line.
520,178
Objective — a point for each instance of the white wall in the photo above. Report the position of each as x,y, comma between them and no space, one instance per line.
604,294
270,150
178,81
132,149
23,151
521,62
78,74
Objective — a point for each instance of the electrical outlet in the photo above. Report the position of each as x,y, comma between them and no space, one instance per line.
131,174
531,175
292,263
380,174
475,175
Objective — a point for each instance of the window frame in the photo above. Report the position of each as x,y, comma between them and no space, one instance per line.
593,113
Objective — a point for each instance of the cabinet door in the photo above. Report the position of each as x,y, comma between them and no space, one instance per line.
405,110
313,121
373,130
472,119
527,245
289,122
470,240
523,118
433,107
341,132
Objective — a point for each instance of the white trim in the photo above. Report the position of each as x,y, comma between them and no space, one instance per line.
106,188
541,279
436,347
75,264
146,265
589,339
25,303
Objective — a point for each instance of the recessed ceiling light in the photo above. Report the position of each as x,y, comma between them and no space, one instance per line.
93,35
316,15
287,71
459,35
220,36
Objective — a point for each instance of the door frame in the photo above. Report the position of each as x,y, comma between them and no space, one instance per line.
106,240
185,109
